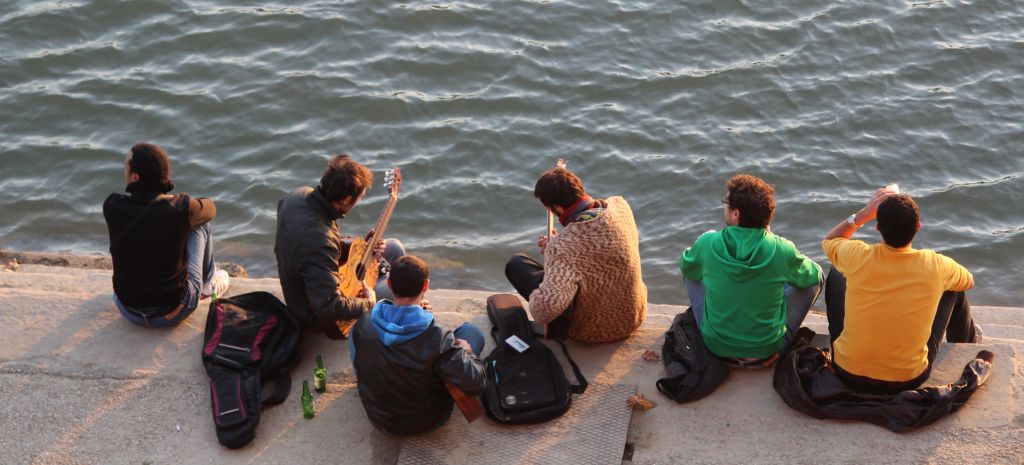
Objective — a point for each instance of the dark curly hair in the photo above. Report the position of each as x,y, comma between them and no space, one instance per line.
754,198
898,217
559,186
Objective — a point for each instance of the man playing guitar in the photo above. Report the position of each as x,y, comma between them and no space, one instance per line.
310,249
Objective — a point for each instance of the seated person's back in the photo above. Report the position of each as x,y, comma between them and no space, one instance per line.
591,277
160,244
402,359
890,304
749,289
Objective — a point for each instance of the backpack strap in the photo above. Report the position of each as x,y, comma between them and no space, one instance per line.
581,382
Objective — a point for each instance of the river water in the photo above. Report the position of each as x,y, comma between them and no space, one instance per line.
657,101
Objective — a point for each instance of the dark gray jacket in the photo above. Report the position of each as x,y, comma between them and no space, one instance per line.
401,385
308,248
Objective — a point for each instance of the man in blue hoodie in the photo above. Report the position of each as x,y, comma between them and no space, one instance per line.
402,359
749,289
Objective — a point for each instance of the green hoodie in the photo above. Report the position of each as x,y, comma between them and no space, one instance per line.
744,270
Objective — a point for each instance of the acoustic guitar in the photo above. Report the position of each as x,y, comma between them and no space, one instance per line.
362,265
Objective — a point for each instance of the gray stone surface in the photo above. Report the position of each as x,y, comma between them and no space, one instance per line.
78,385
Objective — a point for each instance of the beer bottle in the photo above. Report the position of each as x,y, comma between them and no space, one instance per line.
307,400
320,375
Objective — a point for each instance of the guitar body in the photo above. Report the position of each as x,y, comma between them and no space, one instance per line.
471,407
351,276
351,273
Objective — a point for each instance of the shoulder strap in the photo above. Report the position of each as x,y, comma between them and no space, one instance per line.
581,382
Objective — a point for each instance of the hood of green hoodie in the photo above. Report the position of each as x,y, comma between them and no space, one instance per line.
744,252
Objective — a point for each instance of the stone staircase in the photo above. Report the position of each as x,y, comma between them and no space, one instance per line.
79,385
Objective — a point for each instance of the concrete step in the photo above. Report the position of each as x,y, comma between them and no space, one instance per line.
78,384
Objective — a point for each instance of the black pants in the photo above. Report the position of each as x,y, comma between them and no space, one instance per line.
952,318
526,274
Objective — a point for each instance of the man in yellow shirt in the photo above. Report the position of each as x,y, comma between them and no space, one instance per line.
889,304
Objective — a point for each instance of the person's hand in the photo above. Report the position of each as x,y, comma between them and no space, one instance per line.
379,248
426,305
542,240
599,203
367,292
464,344
870,211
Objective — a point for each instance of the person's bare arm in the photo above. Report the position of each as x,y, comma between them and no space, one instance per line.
870,211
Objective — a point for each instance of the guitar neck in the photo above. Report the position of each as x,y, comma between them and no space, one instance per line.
378,230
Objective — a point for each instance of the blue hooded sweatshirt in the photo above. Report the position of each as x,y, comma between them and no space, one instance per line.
396,324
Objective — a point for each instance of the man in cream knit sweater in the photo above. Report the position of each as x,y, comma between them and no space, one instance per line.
590,280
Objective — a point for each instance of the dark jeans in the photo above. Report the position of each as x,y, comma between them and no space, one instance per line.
526,274
952,318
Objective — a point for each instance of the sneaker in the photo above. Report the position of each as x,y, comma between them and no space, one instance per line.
218,284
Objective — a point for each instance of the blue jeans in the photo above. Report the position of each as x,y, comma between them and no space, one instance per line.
472,335
798,303
392,250
199,263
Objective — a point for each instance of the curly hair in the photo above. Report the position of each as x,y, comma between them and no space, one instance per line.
898,217
754,198
559,186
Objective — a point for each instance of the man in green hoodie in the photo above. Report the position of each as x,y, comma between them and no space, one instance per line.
749,289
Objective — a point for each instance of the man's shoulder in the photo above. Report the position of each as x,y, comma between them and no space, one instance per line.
785,244
113,199
296,196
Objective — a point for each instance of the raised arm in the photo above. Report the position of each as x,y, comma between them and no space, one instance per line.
846,228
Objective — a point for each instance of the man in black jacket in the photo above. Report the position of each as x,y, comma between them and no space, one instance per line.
160,244
309,247
402,359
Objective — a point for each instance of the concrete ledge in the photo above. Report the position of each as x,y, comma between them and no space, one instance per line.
80,385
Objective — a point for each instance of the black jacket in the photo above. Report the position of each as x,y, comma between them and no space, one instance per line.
693,372
308,248
402,385
148,243
805,381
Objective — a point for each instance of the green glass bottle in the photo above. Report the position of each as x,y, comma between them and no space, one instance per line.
307,400
320,375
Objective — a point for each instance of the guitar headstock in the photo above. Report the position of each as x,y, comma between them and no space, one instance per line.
393,181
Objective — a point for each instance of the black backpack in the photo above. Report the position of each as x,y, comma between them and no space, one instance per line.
527,387
248,350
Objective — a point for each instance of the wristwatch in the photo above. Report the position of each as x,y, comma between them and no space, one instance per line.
852,220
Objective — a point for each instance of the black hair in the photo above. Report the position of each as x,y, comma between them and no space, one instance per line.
408,274
898,217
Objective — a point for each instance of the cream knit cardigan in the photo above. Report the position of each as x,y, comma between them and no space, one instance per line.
597,262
